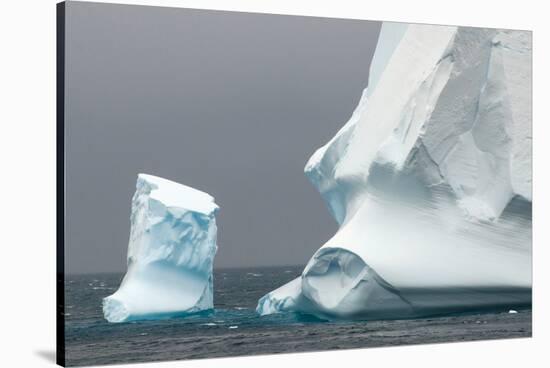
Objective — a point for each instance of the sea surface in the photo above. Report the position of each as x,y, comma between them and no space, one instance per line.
234,328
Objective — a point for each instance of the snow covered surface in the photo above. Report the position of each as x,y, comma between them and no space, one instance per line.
430,181
170,253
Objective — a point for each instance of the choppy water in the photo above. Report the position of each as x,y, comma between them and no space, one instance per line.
235,329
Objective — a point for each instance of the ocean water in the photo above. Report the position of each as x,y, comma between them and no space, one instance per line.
234,328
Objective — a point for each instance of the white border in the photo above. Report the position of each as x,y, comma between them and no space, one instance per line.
412,11
27,183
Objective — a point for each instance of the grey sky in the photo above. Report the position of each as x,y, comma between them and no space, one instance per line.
230,103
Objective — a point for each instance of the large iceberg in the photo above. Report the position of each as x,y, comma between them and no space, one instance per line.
429,180
170,253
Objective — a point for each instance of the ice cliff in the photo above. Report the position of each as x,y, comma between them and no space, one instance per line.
429,180
170,253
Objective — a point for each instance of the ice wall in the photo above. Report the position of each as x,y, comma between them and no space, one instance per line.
430,181
170,253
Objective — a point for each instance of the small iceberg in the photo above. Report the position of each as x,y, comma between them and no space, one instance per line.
170,253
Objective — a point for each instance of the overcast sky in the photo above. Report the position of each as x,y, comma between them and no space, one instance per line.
233,104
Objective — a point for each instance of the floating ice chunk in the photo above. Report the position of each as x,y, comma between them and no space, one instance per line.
430,181
170,253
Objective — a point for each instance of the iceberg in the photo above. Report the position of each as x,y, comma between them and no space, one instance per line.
170,253
429,181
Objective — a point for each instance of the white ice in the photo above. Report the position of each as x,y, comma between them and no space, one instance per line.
170,253
430,181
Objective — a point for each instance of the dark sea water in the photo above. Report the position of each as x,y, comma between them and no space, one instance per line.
234,328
